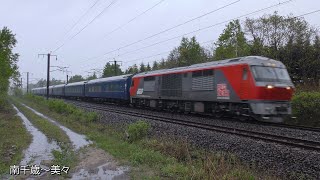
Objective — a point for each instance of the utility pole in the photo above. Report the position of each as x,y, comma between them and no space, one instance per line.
68,76
48,71
27,82
115,66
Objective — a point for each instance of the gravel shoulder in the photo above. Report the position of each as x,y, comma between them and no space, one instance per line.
289,132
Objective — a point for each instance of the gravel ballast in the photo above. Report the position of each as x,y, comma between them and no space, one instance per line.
284,161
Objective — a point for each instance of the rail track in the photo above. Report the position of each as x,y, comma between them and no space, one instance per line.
270,124
289,126
284,140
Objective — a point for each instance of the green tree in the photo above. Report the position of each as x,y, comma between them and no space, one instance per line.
232,42
109,70
155,66
316,48
162,64
142,67
41,83
8,63
148,67
76,78
94,76
189,52
55,82
288,39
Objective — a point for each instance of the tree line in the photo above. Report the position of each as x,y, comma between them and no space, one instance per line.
285,38
8,63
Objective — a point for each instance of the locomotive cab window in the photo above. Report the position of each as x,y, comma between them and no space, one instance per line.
270,74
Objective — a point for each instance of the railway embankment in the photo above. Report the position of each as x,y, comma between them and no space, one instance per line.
147,155
280,158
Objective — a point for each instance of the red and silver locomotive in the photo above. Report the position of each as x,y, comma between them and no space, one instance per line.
251,86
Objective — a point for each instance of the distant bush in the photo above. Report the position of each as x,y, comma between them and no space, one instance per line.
58,106
306,107
138,130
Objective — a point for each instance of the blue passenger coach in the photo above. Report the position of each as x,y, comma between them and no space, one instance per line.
109,89
58,90
75,90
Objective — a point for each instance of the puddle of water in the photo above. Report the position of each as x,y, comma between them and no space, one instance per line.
77,140
102,172
40,149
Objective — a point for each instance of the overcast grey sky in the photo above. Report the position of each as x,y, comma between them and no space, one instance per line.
41,26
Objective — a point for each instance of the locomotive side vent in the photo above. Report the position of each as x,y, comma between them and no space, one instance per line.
171,85
202,80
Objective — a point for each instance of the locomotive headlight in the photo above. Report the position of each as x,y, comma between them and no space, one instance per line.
288,87
270,86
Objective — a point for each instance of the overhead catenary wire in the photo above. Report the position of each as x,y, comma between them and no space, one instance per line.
168,29
136,17
81,17
83,28
154,55
158,54
302,15
198,30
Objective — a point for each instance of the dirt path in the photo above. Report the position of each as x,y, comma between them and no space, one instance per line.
39,151
94,163
78,140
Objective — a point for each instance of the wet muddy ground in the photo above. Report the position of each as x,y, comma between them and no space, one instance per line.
94,163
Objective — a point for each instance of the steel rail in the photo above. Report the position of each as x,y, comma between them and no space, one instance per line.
294,142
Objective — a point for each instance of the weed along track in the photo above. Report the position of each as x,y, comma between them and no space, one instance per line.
269,149
284,140
72,153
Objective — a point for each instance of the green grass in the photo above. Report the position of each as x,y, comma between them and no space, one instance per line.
52,131
14,138
149,158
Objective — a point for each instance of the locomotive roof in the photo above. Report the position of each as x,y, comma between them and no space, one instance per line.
113,78
252,60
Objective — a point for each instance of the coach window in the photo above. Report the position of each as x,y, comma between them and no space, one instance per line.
244,74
